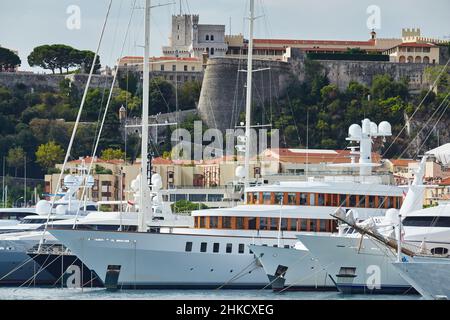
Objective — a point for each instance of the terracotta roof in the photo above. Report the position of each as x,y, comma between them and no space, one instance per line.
401,162
88,160
445,182
312,155
317,42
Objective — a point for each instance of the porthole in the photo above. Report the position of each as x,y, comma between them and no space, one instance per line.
439,251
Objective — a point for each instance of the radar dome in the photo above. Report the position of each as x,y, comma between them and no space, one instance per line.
70,180
354,131
373,128
61,209
43,207
240,172
156,181
385,129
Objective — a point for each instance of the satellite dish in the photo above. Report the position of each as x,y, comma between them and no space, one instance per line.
240,172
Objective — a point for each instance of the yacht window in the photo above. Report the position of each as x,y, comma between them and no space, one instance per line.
303,198
274,223
215,197
312,225
439,250
389,202
286,246
203,247
284,223
229,248
362,201
255,197
291,198
323,225
241,248
352,201
381,201
275,246
266,197
320,199
216,247
278,198
342,200
427,221
91,208
239,223
226,222
371,201
188,247
293,225
197,197
213,222
263,223
303,226
252,223
202,222
312,199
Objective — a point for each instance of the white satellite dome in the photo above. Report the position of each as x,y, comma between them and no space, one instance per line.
240,172
61,209
70,180
43,207
354,131
373,128
385,129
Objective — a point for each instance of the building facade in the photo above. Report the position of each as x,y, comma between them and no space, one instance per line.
191,39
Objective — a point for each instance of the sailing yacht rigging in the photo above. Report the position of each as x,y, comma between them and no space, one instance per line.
214,253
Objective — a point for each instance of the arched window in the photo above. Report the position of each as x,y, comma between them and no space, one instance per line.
207,37
426,59
212,37
410,59
402,59
418,59
212,51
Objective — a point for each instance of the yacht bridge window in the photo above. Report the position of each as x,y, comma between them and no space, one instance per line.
324,199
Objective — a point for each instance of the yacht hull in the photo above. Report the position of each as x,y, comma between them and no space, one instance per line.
62,266
291,269
17,268
429,276
355,265
161,261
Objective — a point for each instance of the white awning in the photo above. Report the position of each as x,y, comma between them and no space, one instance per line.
441,153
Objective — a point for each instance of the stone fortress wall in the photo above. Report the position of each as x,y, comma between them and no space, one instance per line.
222,98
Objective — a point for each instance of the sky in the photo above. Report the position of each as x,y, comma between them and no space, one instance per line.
25,24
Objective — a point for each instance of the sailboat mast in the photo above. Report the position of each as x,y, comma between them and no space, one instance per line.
249,94
143,203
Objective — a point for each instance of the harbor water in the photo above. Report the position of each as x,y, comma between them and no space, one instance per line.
102,294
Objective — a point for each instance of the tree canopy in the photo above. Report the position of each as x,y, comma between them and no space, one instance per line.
8,60
49,154
62,57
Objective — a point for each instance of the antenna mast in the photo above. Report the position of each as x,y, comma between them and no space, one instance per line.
249,94
143,200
